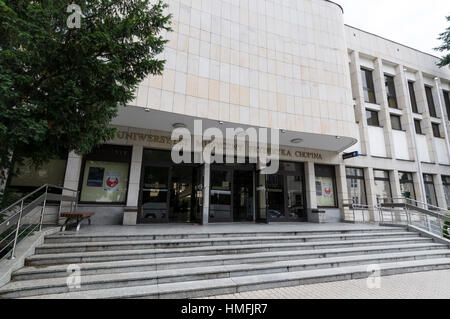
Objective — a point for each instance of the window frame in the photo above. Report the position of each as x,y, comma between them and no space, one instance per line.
93,156
391,93
419,122
408,181
430,101
447,102
357,177
333,177
400,128
371,117
412,97
368,85
383,179
436,128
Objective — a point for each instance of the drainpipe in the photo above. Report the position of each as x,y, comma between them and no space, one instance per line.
416,150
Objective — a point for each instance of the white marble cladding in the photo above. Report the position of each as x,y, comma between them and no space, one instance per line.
279,64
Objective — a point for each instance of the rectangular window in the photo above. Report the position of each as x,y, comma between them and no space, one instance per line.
412,94
430,101
326,186
430,190
382,189
418,127
105,175
446,183
407,185
355,185
436,130
396,122
447,102
372,118
390,91
368,86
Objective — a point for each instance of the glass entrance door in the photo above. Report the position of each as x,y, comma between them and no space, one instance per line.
243,197
181,195
154,194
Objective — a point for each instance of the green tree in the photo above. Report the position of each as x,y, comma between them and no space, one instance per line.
445,47
60,84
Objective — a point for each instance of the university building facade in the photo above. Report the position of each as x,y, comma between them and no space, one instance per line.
289,65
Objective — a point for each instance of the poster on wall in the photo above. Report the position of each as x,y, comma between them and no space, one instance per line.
95,177
327,191
318,189
112,181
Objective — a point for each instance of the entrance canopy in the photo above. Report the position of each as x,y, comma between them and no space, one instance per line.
138,117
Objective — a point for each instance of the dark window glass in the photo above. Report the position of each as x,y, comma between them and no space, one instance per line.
372,118
447,102
407,185
436,130
446,182
430,101
355,186
396,122
418,126
412,94
390,91
326,186
430,190
368,86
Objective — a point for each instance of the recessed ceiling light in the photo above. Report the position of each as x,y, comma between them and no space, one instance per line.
221,122
179,125
283,131
338,137
296,141
147,109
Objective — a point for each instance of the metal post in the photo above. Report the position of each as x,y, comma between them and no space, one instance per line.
43,209
13,253
413,130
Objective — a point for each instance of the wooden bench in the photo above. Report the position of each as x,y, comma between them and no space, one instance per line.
79,217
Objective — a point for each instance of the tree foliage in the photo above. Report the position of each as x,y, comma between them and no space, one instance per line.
445,46
59,86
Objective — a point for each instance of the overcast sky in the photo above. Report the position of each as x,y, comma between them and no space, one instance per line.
415,23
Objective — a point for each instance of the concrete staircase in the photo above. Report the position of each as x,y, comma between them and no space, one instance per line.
198,265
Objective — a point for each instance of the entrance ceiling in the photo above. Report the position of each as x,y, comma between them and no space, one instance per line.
138,117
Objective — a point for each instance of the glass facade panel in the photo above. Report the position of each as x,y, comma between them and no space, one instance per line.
275,194
446,183
356,187
382,186
30,176
407,185
430,190
155,193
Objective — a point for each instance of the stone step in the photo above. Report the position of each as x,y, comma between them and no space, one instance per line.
107,255
211,287
77,238
90,282
176,243
121,266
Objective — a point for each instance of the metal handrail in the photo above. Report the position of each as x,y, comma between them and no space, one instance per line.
406,211
21,217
